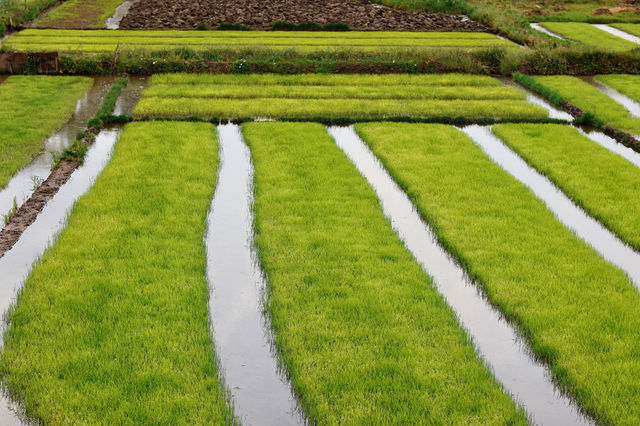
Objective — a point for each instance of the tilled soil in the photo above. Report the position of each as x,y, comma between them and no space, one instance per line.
360,15
28,212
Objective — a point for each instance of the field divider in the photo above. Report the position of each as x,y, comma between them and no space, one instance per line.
497,341
249,364
608,245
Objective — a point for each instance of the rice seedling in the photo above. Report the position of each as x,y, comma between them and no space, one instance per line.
589,35
626,84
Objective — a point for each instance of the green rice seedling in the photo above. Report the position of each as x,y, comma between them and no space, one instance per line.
604,184
31,109
112,324
578,312
626,84
11,213
150,107
590,99
363,334
589,35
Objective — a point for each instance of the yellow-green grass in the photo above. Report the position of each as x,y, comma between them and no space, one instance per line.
629,28
606,185
31,109
626,84
590,99
578,312
79,14
112,325
107,41
589,35
364,335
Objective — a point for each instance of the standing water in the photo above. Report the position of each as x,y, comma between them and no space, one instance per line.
572,216
113,22
261,393
629,104
497,342
537,100
618,33
613,146
542,29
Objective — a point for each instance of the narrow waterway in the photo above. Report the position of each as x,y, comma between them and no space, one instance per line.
130,96
618,33
629,104
497,341
113,22
613,146
23,183
248,363
573,217
539,101
540,28
17,263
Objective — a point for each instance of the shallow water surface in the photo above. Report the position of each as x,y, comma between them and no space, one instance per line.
130,96
497,341
613,146
539,101
573,217
113,22
21,185
540,28
17,263
629,104
618,33
261,392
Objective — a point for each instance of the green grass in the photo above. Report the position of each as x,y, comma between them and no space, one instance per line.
31,109
589,36
578,312
80,14
626,84
107,41
112,325
364,335
606,185
590,99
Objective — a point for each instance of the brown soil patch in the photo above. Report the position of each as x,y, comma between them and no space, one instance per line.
28,212
360,15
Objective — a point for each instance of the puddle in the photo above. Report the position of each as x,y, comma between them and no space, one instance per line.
261,393
17,262
573,217
130,96
629,104
618,33
537,100
113,22
21,185
613,146
540,28
495,340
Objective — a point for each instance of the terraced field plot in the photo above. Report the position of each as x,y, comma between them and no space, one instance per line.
107,41
307,96
589,35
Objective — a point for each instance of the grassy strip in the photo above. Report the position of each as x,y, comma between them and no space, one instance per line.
590,99
112,325
626,84
589,35
579,313
105,115
273,108
362,332
80,14
604,184
31,109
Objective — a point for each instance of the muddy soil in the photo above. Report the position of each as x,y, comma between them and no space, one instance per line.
360,15
28,212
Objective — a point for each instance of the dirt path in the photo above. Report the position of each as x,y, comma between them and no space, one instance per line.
358,14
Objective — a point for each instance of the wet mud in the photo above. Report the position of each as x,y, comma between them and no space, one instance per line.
260,391
497,341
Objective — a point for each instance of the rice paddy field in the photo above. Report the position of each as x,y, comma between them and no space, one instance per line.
591,36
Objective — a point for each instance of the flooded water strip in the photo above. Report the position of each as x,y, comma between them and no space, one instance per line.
539,101
496,341
113,22
17,263
573,217
540,28
23,184
618,33
613,146
130,96
629,104
248,363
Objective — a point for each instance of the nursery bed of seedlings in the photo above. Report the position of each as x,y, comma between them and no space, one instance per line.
568,301
107,41
309,96
605,184
31,109
589,35
112,324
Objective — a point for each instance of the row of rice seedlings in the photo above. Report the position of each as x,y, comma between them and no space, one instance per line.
364,335
578,312
590,99
604,184
31,109
112,325
628,85
150,107
589,35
